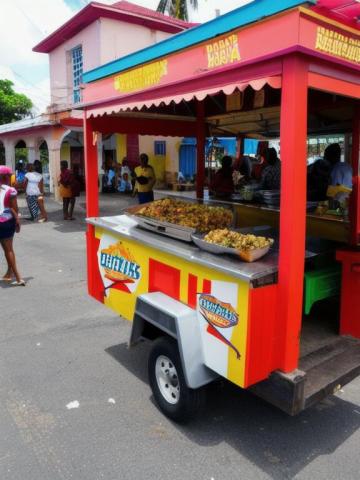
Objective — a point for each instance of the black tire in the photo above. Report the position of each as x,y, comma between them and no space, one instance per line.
189,401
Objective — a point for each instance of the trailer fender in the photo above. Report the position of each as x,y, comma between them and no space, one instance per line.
164,315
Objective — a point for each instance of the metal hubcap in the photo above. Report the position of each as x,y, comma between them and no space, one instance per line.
167,379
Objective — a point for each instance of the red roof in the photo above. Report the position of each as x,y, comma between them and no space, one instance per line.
347,11
123,10
147,12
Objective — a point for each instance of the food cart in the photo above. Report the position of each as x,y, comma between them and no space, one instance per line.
213,316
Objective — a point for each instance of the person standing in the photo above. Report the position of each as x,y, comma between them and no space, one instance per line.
271,175
64,182
145,180
9,224
41,198
124,183
76,187
20,175
318,178
222,185
31,182
34,188
110,178
341,172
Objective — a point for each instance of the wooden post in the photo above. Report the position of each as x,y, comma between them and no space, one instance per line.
240,145
200,150
293,134
355,196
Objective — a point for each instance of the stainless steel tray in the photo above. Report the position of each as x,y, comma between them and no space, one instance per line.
198,239
172,230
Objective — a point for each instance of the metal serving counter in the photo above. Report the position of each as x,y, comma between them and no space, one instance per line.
322,226
258,273
261,272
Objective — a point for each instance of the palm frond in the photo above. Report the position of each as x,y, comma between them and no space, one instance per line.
163,6
177,8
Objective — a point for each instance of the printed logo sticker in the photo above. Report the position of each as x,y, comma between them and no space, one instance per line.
120,268
219,315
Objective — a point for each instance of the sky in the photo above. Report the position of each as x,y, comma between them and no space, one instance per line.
26,22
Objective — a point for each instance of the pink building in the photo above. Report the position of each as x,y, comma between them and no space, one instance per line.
96,35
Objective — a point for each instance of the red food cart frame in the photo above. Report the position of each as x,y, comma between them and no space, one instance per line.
315,50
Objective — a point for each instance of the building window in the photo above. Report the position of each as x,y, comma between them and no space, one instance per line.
159,148
77,70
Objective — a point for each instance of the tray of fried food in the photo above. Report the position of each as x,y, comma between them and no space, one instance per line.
247,246
180,219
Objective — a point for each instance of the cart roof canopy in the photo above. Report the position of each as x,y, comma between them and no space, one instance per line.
232,54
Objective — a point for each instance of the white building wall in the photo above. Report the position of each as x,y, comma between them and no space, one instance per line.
61,82
118,38
102,41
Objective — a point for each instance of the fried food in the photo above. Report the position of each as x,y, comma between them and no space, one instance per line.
239,241
200,217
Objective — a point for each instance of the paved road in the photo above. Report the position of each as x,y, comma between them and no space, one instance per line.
59,347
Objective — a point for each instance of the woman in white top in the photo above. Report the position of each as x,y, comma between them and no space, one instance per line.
34,185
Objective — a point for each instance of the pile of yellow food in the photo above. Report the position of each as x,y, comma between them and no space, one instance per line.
200,217
240,241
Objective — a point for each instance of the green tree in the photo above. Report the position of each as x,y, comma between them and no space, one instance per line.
177,8
13,106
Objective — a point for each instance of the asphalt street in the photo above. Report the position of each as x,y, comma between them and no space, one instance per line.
75,402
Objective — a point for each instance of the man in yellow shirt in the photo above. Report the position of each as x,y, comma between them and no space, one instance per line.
145,180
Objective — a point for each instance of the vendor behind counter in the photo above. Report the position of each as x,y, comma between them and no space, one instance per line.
222,185
329,171
271,175
145,180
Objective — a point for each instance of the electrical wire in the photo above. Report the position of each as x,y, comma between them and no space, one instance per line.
29,19
44,95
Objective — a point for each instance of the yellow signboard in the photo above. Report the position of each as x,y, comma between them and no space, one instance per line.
142,77
223,52
337,44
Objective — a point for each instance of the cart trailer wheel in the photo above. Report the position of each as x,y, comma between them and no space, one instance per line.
174,398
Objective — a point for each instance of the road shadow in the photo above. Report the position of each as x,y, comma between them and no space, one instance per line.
111,203
280,445
70,226
56,222
133,359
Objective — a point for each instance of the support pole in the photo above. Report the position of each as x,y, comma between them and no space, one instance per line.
9,153
200,150
355,196
54,169
95,286
240,144
91,170
31,153
293,134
